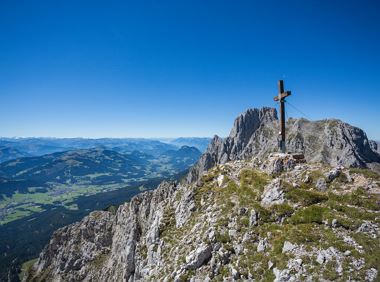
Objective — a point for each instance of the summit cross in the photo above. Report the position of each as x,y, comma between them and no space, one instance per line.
281,98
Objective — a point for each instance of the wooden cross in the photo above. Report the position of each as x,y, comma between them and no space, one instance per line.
281,97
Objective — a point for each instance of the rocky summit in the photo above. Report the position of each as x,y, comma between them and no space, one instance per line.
242,213
256,132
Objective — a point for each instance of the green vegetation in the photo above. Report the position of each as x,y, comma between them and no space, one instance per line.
306,215
25,267
305,197
366,173
311,214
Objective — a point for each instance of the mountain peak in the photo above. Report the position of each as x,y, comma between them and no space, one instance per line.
249,121
255,134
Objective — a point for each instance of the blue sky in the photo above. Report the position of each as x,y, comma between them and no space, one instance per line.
183,68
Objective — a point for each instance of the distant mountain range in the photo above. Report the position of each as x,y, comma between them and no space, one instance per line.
9,153
12,148
200,143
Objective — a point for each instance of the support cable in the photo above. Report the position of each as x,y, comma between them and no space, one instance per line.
298,110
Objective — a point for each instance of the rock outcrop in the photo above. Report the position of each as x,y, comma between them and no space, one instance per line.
255,134
375,146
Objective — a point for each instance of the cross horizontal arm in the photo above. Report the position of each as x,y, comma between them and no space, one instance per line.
283,95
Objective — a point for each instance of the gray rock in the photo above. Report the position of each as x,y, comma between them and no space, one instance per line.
253,218
371,274
277,163
321,184
198,257
368,227
334,223
281,275
321,258
263,245
375,146
332,174
273,194
185,208
288,247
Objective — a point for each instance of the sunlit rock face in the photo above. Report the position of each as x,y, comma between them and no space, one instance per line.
255,134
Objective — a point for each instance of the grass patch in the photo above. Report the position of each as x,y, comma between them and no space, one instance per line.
359,198
366,172
282,210
223,237
311,214
305,197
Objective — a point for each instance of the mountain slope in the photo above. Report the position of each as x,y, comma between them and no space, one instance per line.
70,166
242,222
8,153
252,216
255,134
97,164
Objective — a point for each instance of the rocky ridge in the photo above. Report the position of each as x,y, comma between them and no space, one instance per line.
246,220
254,215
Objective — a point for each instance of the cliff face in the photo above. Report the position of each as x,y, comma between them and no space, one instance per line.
252,216
255,134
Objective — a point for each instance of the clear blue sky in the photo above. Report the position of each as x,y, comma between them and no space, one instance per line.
183,68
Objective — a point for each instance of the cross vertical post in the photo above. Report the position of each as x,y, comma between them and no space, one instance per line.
281,98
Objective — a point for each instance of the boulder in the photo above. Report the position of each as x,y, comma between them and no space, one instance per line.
198,256
288,247
263,245
321,184
278,163
273,194
332,174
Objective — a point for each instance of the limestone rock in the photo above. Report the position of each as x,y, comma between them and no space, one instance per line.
199,256
332,174
321,184
375,146
253,218
371,274
263,245
278,163
369,228
273,194
185,208
288,247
